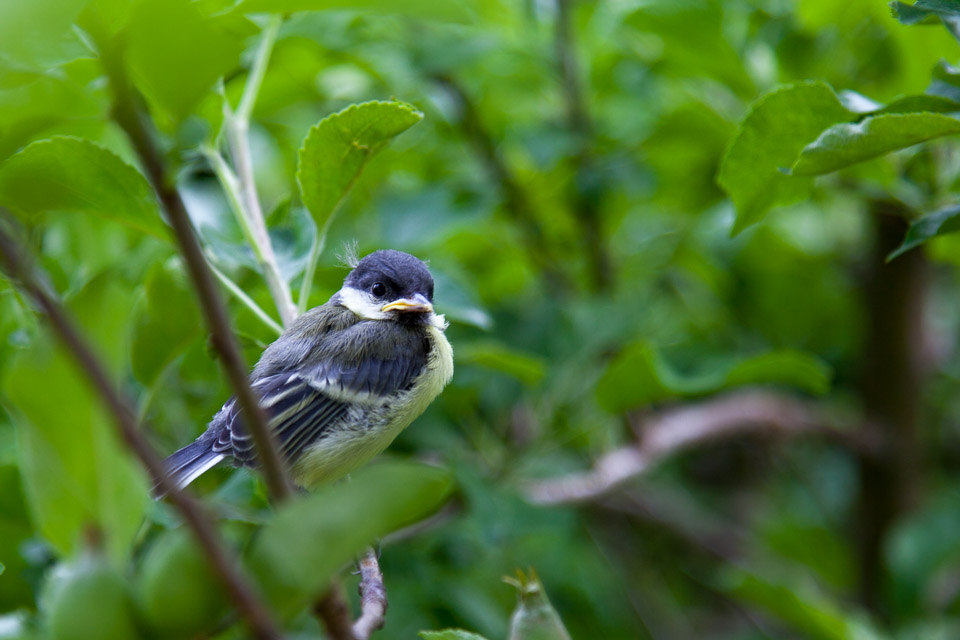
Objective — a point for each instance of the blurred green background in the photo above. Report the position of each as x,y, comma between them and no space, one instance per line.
563,186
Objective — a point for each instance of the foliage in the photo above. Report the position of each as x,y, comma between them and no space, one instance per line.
627,207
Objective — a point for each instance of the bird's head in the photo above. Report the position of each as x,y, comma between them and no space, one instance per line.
391,285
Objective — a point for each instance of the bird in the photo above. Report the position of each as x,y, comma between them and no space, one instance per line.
342,381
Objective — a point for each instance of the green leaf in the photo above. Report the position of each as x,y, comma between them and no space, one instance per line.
528,369
75,471
337,149
64,174
534,618
925,10
929,226
167,321
450,634
38,31
450,11
804,609
639,376
945,81
771,137
312,537
786,367
176,54
846,144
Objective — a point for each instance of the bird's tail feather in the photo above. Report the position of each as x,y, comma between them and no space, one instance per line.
185,465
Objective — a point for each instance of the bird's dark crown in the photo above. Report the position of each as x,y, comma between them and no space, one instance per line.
401,274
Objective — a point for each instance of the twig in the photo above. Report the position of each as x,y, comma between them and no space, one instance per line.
199,523
130,118
679,429
515,198
333,611
373,596
240,295
584,193
237,127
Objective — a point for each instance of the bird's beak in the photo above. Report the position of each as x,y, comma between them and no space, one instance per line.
416,304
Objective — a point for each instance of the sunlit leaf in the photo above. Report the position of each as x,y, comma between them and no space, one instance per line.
337,149
76,473
452,11
65,174
176,54
771,137
311,538
849,143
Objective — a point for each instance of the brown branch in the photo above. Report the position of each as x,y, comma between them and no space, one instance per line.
584,192
203,529
514,196
678,429
129,116
373,596
334,613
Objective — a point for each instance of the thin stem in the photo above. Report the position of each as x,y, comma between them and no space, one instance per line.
259,69
200,525
237,128
319,242
247,301
127,114
334,613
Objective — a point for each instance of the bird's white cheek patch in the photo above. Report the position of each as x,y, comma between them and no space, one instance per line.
361,304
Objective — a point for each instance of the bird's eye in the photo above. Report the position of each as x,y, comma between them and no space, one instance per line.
378,289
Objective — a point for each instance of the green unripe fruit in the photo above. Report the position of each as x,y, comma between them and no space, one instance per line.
87,599
177,594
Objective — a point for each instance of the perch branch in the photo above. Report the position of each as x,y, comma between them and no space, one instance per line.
16,265
334,613
676,430
373,596
128,115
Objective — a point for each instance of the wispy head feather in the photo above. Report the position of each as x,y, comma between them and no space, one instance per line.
349,254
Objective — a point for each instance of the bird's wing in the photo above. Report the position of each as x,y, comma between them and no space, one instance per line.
302,404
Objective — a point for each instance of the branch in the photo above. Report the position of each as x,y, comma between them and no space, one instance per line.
515,198
199,523
679,429
585,195
334,612
127,114
373,597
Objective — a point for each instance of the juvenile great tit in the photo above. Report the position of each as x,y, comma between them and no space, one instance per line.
342,381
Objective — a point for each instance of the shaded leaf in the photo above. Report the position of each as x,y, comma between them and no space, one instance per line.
773,134
849,143
166,322
176,54
946,81
65,174
929,226
528,369
75,471
311,538
805,610
926,11
337,149
640,376
450,634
